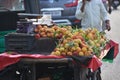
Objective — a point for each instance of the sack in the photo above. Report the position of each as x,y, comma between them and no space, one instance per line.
113,50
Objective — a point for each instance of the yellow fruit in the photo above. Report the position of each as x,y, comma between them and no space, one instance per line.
78,49
102,40
53,53
82,44
55,27
72,49
90,36
45,27
94,31
62,49
77,41
88,53
81,54
97,44
84,49
48,34
57,53
65,41
90,49
69,53
52,30
76,44
66,46
91,42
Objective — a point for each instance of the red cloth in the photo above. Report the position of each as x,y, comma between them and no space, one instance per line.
114,44
8,59
95,63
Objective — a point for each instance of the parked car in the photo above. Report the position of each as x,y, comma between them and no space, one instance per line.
60,9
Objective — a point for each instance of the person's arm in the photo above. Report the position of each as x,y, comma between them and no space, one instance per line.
109,7
83,5
109,3
104,16
80,10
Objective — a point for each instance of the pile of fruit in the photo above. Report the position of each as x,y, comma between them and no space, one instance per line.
73,41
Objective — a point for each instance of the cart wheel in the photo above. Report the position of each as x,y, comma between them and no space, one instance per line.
25,73
96,75
22,77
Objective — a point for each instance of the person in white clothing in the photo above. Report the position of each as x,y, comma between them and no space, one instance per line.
92,13
107,4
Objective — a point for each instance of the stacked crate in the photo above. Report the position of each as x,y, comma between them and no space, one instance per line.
27,43
19,42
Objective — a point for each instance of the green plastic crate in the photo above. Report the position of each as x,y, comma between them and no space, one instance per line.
2,43
2,39
2,50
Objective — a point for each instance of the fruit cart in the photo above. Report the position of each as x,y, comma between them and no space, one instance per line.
53,53
26,66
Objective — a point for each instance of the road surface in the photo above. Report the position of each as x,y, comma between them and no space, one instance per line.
111,71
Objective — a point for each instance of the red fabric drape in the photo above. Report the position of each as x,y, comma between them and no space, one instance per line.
8,59
95,63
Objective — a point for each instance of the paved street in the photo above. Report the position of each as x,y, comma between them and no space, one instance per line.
111,71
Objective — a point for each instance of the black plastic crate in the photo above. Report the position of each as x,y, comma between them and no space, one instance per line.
45,45
19,42
26,43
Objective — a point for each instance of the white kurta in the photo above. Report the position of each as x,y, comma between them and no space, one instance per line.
94,13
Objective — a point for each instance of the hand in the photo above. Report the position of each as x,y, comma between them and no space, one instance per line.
83,5
108,25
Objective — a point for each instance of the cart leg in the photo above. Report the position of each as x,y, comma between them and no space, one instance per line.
80,73
76,72
96,75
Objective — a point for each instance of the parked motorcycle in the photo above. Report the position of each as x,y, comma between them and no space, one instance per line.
115,3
